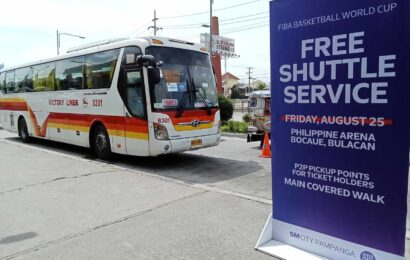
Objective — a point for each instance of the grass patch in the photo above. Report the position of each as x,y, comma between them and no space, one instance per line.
234,127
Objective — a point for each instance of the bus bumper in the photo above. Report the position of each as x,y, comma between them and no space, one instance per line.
194,143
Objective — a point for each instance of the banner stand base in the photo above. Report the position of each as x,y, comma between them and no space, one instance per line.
277,249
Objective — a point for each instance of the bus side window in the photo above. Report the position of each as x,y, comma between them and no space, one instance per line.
130,55
3,82
44,77
10,84
100,68
69,73
24,80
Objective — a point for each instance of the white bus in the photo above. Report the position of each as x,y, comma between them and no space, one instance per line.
144,96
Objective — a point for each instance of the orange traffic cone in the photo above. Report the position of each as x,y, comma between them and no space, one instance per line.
266,147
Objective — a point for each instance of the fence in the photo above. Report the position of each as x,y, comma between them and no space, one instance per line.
241,105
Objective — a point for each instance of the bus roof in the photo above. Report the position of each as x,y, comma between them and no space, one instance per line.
108,44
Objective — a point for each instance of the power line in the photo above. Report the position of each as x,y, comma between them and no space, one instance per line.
185,25
198,25
250,27
140,28
246,20
222,22
206,12
245,16
243,26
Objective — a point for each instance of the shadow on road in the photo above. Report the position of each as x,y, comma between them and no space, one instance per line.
186,167
18,238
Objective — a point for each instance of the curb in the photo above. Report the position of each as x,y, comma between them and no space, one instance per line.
238,135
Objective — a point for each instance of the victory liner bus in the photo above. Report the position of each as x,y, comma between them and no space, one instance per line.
143,96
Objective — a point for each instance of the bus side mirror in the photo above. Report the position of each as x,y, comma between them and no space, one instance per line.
146,60
154,76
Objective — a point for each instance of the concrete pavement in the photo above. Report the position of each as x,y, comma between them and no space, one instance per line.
71,207
66,207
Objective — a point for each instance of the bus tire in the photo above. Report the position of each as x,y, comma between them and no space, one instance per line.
100,143
23,131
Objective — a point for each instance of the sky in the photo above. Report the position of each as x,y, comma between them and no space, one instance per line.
28,28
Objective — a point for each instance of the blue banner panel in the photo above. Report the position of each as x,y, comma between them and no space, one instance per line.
340,126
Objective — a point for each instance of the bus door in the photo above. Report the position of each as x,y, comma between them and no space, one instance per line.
136,123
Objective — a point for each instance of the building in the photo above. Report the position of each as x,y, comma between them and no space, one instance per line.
228,81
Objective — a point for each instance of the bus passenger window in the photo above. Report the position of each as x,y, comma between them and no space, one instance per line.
43,77
100,68
24,80
3,82
10,84
135,93
69,73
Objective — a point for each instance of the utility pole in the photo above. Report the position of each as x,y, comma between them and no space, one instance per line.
155,24
249,77
210,29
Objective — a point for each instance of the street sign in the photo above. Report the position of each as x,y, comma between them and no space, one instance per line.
220,45
340,129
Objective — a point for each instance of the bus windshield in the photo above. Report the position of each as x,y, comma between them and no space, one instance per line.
187,80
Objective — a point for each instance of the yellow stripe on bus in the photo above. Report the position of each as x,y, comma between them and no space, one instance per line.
69,127
190,127
12,100
133,135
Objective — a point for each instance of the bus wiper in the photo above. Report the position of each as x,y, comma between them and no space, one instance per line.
182,104
202,98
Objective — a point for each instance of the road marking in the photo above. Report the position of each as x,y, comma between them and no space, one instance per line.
163,178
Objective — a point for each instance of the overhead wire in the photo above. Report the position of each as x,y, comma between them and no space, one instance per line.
245,16
207,12
245,28
138,30
246,20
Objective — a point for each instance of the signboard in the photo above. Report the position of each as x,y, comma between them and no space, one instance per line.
220,45
340,126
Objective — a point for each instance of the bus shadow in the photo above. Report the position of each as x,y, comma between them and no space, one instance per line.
186,167
190,168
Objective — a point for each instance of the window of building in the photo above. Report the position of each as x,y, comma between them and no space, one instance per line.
100,68
24,79
69,73
43,77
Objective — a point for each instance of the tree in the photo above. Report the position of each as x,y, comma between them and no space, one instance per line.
235,93
261,86
226,108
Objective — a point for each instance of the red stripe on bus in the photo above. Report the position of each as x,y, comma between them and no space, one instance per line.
13,106
189,115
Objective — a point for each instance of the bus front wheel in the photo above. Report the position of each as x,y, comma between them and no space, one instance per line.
23,131
101,143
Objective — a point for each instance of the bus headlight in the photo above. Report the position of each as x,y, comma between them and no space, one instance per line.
161,132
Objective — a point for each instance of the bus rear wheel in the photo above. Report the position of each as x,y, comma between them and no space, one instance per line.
101,143
23,131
